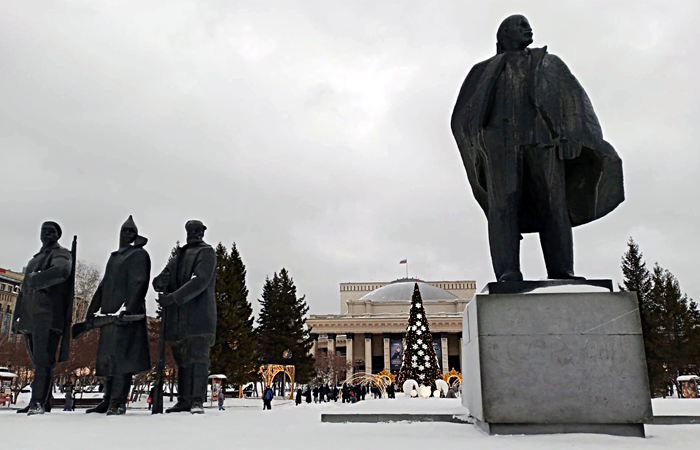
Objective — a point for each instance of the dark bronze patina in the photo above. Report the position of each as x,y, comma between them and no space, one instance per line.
534,152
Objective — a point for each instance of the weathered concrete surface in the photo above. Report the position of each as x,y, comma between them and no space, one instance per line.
555,359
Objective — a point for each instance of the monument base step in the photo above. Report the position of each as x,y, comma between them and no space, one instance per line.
615,429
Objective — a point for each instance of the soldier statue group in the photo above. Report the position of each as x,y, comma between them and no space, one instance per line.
118,308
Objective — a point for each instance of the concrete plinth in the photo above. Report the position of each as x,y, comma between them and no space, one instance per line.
555,363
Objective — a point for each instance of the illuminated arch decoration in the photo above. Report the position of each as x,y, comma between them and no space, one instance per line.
453,378
385,374
270,371
381,380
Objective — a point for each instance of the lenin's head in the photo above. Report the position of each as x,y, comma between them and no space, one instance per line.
514,33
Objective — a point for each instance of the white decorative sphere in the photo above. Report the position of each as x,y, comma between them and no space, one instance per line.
414,393
436,394
442,385
408,386
425,391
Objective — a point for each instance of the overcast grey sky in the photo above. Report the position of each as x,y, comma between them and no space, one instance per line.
315,134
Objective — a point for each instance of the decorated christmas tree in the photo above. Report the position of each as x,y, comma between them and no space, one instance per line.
419,360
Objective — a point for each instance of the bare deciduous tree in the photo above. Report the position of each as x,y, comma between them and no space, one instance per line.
87,278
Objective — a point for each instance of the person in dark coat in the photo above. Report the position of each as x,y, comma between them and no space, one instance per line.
307,394
40,312
189,313
534,152
220,397
267,398
123,349
391,391
297,400
68,389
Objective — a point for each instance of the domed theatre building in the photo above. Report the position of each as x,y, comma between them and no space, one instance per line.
371,327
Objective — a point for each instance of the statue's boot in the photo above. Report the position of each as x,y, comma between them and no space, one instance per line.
41,388
511,276
200,373
101,408
184,391
23,410
568,275
35,408
179,407
104,404
116,408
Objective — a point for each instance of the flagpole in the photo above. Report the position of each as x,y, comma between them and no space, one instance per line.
407,268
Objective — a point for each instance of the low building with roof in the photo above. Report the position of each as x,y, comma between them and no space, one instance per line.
371,327
10,285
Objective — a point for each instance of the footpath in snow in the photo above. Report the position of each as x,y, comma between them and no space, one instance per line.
244,425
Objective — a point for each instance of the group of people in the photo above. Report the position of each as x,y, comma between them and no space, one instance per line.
43,316
347,393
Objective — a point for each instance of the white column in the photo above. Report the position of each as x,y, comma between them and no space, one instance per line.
443,344
331,344
314,345
348,353
368,353
387,354
461,368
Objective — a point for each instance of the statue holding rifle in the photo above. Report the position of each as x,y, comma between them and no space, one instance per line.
43,312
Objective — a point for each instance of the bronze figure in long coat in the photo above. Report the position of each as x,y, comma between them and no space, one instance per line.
189,313
533,151
123,349
41,312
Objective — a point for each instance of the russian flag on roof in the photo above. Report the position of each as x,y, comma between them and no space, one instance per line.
403,261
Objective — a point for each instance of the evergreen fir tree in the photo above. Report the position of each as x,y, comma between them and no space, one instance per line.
235,351
173,252
678,325
419,360
282,326
636,278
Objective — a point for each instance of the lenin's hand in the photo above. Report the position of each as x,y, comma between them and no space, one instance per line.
165,300
568,149
13,327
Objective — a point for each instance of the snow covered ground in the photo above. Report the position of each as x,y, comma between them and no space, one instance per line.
244,425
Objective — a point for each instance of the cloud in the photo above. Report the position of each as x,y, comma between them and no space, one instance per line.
316,134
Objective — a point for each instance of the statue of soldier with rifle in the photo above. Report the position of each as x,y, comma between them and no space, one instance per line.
43,312
118,309
189,316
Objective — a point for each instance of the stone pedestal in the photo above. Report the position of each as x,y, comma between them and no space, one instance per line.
555,363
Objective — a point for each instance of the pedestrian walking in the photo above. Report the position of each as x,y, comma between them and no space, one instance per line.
267,398
298,397
220,397
68,404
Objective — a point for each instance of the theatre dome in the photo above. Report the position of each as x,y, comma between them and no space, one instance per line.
402,289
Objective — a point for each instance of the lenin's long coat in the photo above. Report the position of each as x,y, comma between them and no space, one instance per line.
123,349
565,114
